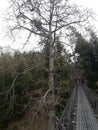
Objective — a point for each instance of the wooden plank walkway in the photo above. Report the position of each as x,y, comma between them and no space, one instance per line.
85,118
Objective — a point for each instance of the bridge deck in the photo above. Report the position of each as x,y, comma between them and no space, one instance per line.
85,118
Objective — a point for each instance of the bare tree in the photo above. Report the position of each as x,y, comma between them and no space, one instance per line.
46,18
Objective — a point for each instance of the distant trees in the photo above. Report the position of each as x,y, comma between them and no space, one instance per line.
24,77
87,58
17,79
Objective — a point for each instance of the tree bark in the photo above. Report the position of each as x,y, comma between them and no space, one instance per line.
51,125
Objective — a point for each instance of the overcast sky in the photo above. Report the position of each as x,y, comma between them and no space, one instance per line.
92,4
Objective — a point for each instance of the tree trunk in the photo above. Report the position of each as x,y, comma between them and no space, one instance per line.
51,125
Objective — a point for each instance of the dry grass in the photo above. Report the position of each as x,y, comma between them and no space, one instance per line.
39,123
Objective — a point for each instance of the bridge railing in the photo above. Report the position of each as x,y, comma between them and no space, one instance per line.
93,99
68,115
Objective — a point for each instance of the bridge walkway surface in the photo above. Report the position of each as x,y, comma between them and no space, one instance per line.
85,118
81,110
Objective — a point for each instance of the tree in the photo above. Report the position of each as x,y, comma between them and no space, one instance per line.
87,57
94,42
46,18
21,79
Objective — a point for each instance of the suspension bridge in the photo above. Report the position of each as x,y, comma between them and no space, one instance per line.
81,111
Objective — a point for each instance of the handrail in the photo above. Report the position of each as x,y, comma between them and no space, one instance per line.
67,115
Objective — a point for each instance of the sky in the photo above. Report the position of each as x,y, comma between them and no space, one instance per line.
89,4
5,41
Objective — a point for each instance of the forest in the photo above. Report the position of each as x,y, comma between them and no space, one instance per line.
24,81
35,85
